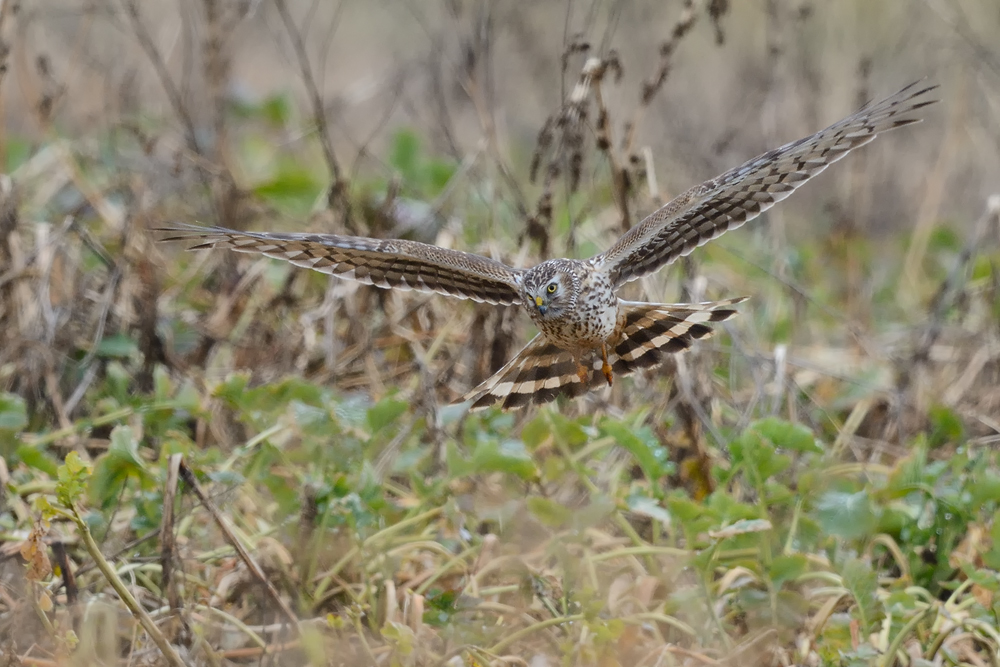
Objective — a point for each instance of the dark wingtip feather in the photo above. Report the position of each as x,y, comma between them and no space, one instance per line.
182,231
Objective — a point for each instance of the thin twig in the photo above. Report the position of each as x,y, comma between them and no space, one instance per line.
244,555
337,195
123,592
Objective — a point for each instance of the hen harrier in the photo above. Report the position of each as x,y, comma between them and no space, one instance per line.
587,334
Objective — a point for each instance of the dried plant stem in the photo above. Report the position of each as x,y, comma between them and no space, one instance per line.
653,85
241,551
619,176
927,216
337,194
167,546
123,592
530,630
5,10
159,65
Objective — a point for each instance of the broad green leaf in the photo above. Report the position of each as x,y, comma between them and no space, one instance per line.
847,515
787,435
13,412
508,456
536,431
38,459
571,432
292,183
385,412
786,568
758,455
118,346
985,488
116,466
648,452
685,509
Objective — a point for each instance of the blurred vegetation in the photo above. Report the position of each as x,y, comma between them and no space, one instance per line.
213,459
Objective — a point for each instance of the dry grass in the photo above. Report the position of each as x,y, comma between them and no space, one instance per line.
335,485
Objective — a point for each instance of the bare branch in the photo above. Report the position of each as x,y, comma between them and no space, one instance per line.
337,195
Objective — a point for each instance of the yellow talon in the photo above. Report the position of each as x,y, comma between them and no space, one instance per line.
582,373
606,367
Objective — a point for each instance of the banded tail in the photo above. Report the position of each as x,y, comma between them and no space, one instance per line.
541,371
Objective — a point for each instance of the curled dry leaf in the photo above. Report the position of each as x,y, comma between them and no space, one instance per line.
33,551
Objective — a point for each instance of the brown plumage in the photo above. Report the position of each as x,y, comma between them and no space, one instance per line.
587,334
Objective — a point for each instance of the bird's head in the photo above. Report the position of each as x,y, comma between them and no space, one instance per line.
551,288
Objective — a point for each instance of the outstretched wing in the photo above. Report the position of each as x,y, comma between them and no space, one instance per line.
388,263
741,194
541,371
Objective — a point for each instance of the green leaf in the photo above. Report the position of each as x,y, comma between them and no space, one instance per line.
786,568
787,435
860,579
508,456
758,456
982,268
986,488
118,346
115,466
385,412
847,515
38,459
946,426
536,431
277,109
72,476
549,512
648,452
294,185
944,238
441,606
569,431
439,172
694,517
405,154
18,152
13,412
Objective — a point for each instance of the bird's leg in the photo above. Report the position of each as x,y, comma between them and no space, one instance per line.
606,367
582,373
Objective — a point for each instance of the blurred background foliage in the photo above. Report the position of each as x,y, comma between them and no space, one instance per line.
818,484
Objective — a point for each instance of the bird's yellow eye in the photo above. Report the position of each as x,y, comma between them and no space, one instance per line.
551,289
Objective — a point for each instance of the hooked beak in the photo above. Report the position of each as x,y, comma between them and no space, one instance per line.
541,307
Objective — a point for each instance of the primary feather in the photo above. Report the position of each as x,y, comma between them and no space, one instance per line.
741,194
